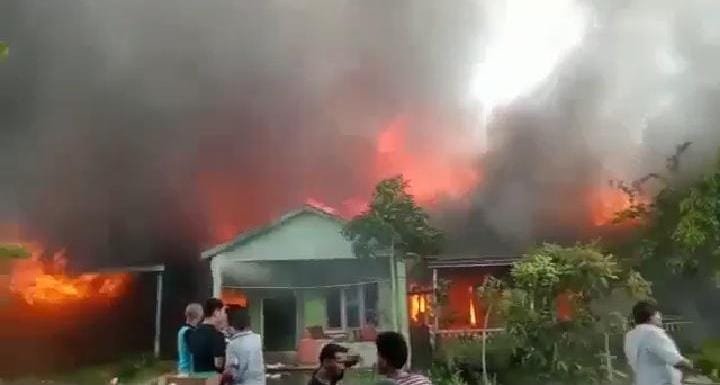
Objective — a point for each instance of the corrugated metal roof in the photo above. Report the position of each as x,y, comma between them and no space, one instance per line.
456,262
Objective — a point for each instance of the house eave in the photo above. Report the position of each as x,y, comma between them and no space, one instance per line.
244,237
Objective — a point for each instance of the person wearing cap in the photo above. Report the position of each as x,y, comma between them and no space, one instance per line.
333,359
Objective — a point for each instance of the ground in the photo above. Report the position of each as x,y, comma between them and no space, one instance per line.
136,371
142,372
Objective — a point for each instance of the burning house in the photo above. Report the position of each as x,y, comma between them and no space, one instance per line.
304,286
457,278
57,316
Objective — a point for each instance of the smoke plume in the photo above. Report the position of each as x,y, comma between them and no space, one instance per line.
129,127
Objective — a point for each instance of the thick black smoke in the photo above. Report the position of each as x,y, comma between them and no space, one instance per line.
643,80
118,117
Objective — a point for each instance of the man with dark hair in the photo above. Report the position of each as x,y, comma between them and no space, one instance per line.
333,360
244,358
207,343
392,352
651,353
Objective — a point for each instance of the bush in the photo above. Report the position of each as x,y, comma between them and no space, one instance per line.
707,360
464,357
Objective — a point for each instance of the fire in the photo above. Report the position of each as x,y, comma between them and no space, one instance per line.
473,315
439,164
234,297
418,306
38,281
433,172
605,203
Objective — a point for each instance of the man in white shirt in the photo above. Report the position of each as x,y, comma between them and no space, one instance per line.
244,357
651,353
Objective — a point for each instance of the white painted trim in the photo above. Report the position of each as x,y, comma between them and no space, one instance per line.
361,305
262,319
343,310
216,272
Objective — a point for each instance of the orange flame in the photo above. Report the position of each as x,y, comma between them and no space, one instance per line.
432,172
473,316
40,282
418,306
606,203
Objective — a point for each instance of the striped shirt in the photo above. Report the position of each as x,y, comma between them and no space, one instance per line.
411,379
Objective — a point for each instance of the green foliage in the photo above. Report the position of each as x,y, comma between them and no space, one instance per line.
681,226
562,351
393,219
537,346
707,360
699,224
11,251
446,374
4,50
550,269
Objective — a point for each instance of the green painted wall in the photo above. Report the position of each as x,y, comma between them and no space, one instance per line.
255,310
385,320
314,305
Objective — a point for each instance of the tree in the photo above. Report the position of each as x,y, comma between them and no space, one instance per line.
496,300
549,348
681,226
393,221
13,251
4,50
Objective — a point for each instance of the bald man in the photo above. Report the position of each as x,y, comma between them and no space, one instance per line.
193,316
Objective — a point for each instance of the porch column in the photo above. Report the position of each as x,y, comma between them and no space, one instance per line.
435,305
216,272
158,314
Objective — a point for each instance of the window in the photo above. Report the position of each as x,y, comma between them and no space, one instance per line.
370,294
351,307
333,304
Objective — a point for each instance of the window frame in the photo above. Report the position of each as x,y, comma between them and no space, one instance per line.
360,290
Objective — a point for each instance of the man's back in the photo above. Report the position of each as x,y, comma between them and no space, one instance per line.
245,358
652,355
206,343
184,355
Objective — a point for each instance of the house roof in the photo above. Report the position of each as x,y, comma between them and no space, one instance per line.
304,274
458,262
247,236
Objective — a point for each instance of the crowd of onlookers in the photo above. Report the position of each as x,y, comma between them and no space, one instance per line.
218,338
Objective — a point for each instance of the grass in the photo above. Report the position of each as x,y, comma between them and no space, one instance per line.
133,370
360,377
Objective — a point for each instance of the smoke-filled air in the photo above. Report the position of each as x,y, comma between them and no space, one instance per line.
132,127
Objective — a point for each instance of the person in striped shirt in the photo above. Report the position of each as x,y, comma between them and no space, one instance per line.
392,352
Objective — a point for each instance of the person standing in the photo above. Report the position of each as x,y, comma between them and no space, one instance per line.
193,315
651,353
244,357
207,342
392,353
333,358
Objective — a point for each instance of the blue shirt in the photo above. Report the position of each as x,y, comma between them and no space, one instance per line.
185,364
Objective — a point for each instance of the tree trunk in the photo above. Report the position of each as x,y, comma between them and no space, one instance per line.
484,345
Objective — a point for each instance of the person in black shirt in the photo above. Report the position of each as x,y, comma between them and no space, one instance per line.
207,343
333,359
